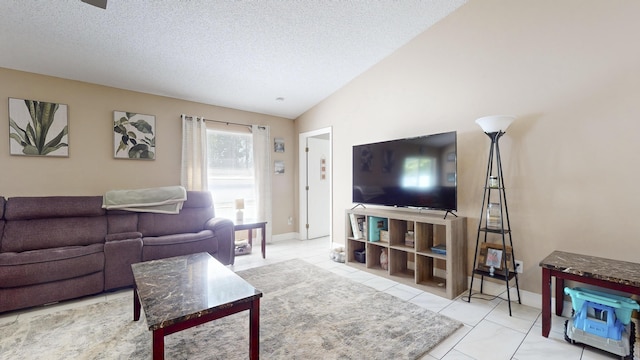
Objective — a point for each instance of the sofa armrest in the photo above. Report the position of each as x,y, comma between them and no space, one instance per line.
223,230
123,236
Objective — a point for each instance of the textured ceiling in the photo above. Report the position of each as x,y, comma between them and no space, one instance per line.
238,54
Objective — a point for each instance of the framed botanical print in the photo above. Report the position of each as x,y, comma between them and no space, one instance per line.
134,136
38,128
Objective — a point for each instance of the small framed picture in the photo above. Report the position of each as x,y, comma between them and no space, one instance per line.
493,255
494,258
278,145
278,167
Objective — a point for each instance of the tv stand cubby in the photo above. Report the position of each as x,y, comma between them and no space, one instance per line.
416,265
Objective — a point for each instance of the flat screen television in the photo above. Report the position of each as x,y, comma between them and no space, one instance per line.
417,172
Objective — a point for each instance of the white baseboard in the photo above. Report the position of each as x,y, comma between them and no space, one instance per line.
527,298
295,236
285,236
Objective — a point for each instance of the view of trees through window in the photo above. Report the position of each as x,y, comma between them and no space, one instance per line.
231,176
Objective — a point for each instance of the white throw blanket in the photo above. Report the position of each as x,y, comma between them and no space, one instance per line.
162,200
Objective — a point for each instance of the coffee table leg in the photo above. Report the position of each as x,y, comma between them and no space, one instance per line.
158,344
254,330
136,305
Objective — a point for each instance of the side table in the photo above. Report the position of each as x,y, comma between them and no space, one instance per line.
611,274
250,225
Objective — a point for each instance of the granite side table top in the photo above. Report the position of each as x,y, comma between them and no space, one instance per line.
177,289
615,271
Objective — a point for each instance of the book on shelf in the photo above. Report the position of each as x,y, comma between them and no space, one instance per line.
357,226
362,226
439,249
354,226
375,225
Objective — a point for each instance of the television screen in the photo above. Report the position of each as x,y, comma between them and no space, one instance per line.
413,172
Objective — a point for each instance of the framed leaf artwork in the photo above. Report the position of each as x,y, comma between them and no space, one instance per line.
134,136
38,128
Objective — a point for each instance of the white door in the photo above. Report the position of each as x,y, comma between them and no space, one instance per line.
318,189
315,218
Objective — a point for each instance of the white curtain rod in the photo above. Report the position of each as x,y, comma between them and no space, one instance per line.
224,122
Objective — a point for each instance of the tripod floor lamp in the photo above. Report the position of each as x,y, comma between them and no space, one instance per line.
494,256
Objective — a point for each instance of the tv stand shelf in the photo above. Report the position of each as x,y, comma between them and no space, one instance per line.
418,265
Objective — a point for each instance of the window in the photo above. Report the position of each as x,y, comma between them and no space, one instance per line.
231,174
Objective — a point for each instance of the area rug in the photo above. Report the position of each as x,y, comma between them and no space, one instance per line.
306,313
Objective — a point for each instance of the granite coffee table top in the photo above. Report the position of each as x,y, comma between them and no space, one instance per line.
177,289
615,271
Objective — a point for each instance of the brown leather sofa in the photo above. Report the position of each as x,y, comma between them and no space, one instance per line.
63,247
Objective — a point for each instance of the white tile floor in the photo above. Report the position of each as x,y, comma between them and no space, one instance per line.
488,332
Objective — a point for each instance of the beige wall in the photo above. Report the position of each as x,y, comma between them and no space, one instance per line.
91,169
569,70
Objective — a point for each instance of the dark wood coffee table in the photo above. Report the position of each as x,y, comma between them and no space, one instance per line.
182,292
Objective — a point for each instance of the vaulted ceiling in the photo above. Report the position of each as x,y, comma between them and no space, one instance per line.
276,57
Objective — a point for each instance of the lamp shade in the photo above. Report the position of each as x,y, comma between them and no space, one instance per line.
239,204
495,123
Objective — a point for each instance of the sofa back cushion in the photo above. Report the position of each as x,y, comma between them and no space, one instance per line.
120,221
43,207
34,223
194,214
2,201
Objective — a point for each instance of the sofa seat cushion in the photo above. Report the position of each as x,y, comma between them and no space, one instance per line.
42,266
176,238
158,247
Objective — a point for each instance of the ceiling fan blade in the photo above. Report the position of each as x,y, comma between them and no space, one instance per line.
99,3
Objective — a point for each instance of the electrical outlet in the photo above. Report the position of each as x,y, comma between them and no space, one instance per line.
519,266
290,220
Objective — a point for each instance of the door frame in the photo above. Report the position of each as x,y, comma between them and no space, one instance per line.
303,174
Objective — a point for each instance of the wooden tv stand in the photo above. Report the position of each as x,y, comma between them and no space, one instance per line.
417,265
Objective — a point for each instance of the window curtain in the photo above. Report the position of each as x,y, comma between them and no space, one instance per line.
262,173
193,173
